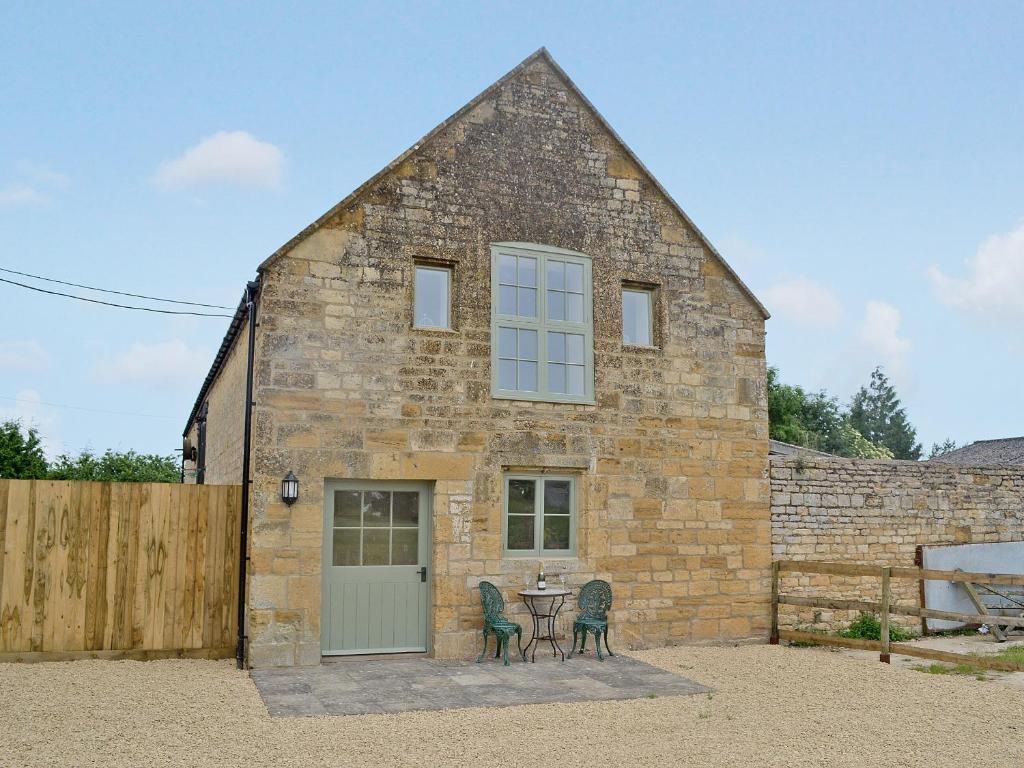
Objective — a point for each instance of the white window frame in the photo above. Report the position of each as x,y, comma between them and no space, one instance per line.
627,288
542,325
416,267
538,516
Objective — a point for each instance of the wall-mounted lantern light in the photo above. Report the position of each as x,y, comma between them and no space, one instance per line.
290,489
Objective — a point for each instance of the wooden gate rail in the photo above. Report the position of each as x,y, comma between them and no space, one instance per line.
884,608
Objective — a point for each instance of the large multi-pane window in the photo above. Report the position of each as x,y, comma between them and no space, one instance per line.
539,516
542,324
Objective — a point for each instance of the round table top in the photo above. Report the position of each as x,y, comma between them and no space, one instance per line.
549,592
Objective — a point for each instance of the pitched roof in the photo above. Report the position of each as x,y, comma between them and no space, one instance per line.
1005,451
539,54
237,321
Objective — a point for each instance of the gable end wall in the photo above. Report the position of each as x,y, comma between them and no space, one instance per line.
671,461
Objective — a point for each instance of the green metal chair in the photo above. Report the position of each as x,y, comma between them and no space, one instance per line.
594,602
496,624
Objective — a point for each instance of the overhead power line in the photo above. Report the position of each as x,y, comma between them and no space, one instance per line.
107,290
112,304
26,401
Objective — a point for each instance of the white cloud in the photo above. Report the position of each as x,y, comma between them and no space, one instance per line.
227,157
27,407
994,285
164,364
44,176
22,194
805,302
879,334
23,357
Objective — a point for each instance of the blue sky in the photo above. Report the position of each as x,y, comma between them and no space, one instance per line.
860,165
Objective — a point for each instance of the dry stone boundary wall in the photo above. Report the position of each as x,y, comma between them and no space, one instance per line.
879,512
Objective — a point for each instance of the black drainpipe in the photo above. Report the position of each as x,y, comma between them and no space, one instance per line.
251,290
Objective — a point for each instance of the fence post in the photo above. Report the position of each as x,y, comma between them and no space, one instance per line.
773,638
884,616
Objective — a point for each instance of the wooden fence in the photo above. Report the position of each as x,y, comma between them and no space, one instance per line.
886,607
117,569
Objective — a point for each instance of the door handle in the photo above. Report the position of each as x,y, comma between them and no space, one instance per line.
423,573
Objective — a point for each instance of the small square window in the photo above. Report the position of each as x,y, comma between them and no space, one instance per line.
637,317
432,297
539,516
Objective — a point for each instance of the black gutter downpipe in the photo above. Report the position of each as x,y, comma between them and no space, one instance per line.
251,291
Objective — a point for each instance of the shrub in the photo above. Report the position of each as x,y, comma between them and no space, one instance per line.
868,627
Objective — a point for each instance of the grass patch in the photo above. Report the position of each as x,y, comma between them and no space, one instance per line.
868,627
956,669
1014,653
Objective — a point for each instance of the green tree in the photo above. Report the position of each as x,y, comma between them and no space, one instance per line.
854,445
878,414
21,452
941,449
117,466
814,420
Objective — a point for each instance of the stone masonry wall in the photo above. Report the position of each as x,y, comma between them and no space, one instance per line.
878,512
225,419
671,461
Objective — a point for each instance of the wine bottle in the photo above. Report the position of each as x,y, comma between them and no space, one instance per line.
541,579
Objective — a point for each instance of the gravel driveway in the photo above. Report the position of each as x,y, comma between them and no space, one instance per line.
773,706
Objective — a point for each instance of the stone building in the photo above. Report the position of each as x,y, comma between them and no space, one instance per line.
509,347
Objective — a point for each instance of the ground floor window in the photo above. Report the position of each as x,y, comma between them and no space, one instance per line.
539,515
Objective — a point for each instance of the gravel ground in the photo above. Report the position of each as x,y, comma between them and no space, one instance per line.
773,706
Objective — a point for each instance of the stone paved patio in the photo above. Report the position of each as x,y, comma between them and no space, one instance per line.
403,684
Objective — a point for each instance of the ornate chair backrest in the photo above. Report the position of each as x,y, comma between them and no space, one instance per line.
491,601
595,599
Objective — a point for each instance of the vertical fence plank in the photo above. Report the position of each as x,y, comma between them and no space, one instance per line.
142,548
189,586
5,486
171,588
215,540
230,567
126,544
75,540
202,553
99,521
46,499
12,563
884,615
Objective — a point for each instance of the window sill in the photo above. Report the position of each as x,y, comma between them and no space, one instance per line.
431,330
642,348
526,398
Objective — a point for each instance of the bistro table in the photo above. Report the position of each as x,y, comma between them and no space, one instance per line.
547,613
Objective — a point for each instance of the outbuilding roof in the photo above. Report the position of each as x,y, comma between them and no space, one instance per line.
1004,451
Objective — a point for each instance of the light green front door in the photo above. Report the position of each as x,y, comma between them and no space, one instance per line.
376,556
